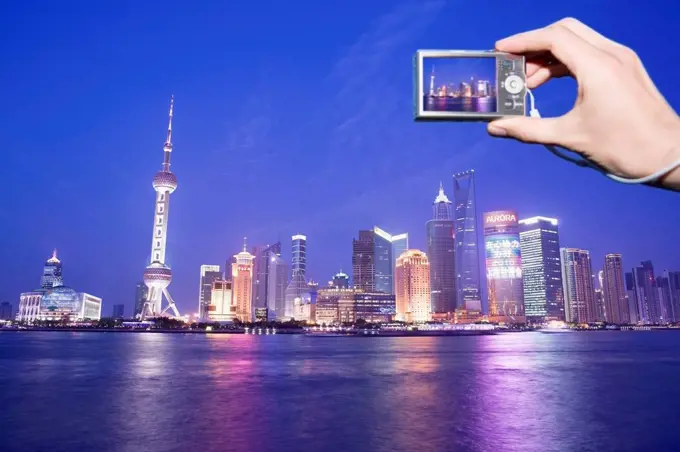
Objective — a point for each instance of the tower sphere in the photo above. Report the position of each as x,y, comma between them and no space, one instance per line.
165,181
157,275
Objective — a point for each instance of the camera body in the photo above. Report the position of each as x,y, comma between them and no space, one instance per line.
468,85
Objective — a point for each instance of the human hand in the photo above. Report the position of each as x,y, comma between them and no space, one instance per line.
620,121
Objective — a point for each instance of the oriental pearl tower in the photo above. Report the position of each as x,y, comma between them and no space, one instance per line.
158,275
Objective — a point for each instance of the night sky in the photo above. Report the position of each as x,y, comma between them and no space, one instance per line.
290,117
456,70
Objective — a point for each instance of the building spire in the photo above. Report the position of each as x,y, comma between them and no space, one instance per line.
54,258
167,148
245,246
441,197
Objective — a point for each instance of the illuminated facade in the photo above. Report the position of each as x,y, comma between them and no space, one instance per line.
504,267
341,305
261,260
340,281
413,296
29,305
51,272
646,294
158,275
297,291
242,288
374,259
141,294
541,269
468,293
673,279
577,282
631,298
209,274
221,308
614,292
441,245
277,280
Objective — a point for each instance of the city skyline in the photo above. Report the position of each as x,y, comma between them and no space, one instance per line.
341,157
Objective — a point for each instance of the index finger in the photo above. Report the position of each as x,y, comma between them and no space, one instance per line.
573,51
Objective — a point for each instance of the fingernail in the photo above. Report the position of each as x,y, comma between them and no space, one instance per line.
497,131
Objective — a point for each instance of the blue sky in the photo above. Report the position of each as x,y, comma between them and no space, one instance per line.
289,117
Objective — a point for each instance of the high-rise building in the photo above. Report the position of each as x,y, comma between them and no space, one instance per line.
51,272
631,298
665,299
504,267
468,285
441,245
221,308
242,285
674,292
5,311
541,270
261,261
158,275
118,311
209,273
646,294
340,281
615,302
600,315
141,294
297,291
413,296
277,280
577,280
373,259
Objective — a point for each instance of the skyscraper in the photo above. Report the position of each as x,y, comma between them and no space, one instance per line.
373,259
51,276
631,298
665,299
297,290
504,267
674,289
541,270
615,303
440,252
5,311
141,294
577,280
209,273
646,293
242,285
118,311
158,275
413,296
277,280
261,272
467,253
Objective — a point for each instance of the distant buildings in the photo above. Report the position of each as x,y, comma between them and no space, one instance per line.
242,285
645,294
615,302
141,294
6,311
541,270
221,308
441,246
277,280
118,311
342,305
577,280
468,286
504,267
297,291
208,275
262,256
374,258
413,296
673,293
340,281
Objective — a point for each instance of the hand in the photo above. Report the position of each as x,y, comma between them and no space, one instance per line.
620,120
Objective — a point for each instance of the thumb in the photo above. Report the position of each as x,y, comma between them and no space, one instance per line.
528,130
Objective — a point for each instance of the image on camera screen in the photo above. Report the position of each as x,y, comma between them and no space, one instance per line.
459,85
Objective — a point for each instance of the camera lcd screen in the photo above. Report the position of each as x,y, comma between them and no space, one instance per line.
459,84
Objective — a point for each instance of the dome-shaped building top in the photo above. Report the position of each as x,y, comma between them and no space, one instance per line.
60,299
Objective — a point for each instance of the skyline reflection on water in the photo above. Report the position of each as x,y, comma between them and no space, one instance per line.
461,104
517,391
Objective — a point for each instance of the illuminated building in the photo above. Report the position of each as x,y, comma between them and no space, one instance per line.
599,306
504,267
373,259
340,281
158,275
277,280
242,288
440,252
261,272
221,308
297,291
5,311
51,272
413,297
577,282
484,88
615,303
541,270
674,293
141,294
29,305
665,299
118,311
432,82
468,294
209,273
646,294
340,305
63,303
631,298
465,89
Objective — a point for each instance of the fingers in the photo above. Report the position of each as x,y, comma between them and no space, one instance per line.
543,74
531,130
569,48
588,34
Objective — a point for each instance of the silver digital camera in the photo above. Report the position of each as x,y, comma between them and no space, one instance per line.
468,85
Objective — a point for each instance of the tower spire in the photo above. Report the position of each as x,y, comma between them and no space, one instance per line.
167,148
245,246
